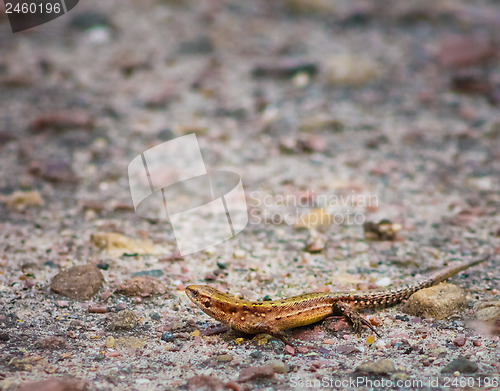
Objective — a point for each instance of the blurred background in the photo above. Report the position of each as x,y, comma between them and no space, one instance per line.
395,98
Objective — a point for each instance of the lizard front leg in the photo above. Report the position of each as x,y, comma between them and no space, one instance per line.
357,321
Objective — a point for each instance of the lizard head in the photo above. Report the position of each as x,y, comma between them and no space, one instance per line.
211,301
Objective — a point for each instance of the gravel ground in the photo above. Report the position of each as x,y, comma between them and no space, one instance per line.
386,109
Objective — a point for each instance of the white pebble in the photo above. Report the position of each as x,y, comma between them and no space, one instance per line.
381,344
385,281
240,254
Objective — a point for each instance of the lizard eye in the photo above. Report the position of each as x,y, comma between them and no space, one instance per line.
207,303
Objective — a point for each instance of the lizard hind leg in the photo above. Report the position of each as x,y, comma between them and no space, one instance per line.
282,338
353,316
279,335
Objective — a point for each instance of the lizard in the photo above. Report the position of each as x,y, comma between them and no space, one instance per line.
273,317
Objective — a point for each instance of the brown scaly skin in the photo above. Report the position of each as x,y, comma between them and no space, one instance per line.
272,317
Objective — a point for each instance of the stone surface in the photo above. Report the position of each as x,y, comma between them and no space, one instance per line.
117,244
279,366
124,320
52,343
20,200
78,282
436,302
252,373
129,343
459,341
351,70
141,286
378,367
462,365
487,311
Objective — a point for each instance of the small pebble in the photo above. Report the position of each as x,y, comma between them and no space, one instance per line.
103,266
381,344
301,79
110,342
251,373
256,354
375,320
459,341
124,320
461,365
290,350
377,367
97,309
155,316
383,282
167,336
210,276
224,358
221,265
78,282
279,366
106,295
240,254
315,245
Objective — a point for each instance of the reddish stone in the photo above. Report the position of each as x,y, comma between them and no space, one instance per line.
138,286
97,309
251,373
459,341
464,51
78,282
62,120
290,350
